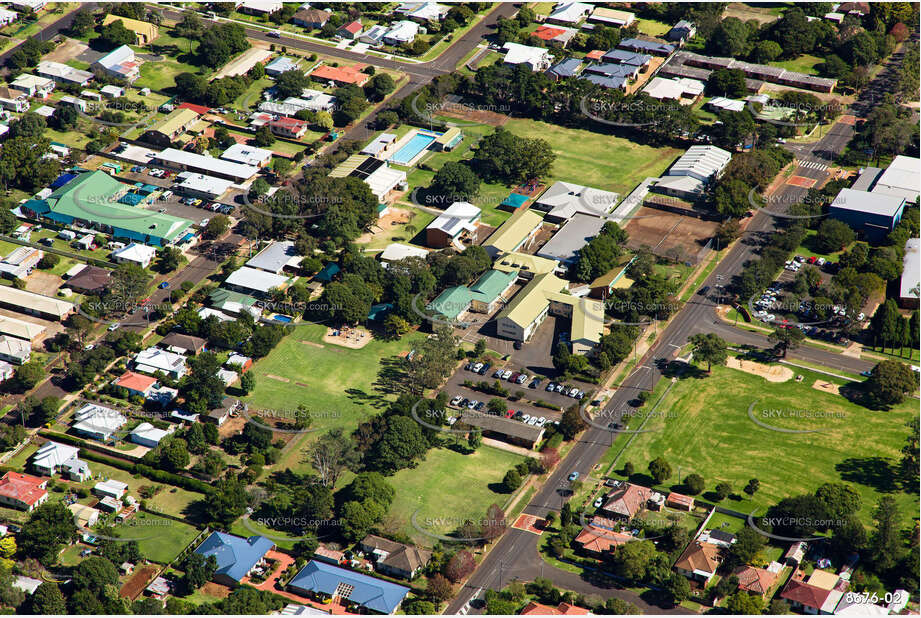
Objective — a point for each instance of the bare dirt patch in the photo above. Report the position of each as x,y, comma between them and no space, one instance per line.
68,50
216,590
669,234
771,373
480,116
354,338
275,377
244,63
44,283
394,218
313,344
827,387
134,586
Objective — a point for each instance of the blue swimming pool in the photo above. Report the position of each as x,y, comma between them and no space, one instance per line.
412,148
281,318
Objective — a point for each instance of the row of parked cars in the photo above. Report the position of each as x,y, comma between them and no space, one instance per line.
514,377
569,391
224,209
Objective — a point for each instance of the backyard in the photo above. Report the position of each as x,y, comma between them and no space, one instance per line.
159,539
707,430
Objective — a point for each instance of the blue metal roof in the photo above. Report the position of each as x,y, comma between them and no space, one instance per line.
370,592
132,199
623,56
329,271
605,81
62,180
612,70
652,46
566,68
235,555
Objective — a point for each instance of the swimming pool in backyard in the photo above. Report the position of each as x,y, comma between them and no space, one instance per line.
411,149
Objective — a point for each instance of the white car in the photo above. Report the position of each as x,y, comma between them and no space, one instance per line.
525,418
541,420
506,374
861,317
456,400
598,502
477,367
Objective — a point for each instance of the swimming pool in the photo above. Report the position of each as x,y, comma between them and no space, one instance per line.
412,148
282,318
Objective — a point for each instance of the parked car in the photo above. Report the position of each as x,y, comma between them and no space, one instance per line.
456,401
484,369
598,502
506,374
498,373
550,387
514,377
523,378
472,404
560,388
866,374
477,367
534,383
573,475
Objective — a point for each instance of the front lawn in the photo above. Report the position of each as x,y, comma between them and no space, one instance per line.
159,539
595,159
448,488
706,428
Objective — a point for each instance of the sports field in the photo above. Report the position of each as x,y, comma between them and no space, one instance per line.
336,384
447,488
595,159
706,428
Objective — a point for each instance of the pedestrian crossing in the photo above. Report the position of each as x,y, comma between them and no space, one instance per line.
813,165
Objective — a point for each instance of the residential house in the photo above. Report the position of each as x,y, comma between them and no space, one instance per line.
84,516
258,283
137,384
97,422
626,501
395,559
289,127
395,251
90,280
568,67
53,457
349,31
144,32
276,257
33,85
681,32
240,363
374,36
281,64
533,608
756,581
401,33
153,360
236,557
611,17
554,36
643,46
569,13
699,562
25,6
22,491
310,18
7,17
679,89
248,155
134,253
424,11
537,58
260,7
599,539
810,599
341,75
13,100
325,581
120,63
147,435
448,227
177,122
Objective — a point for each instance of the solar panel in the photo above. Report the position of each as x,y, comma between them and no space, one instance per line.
366,168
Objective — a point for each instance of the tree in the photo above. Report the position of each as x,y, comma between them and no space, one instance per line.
169,259
116,34
839,500
727,83
48,529
709,348
83,22
216,227
727,232
785,339
438,588
509,158
885,544
766,51
741,602
95,573
886,324
748,544
723,490
332,456
678,587
730,38
378,87
47,600
454,182
202,388
174,455
571,423
909,462
752,486
291,83
632,560
198,571
27,376
264,136
660,469
890,382
247,383
833,235
459,566
694,484
511,481
618,607
400,445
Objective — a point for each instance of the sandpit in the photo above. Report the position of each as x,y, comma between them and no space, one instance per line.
771,373
354,338
394,218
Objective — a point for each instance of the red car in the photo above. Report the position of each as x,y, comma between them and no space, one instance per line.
509,413
811,260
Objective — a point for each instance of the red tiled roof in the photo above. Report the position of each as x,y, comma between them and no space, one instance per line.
352,27
600,540
348,75
680,499
755,580
627,500
287,121
800,592
547,33
595,54
23,487
699,556
135,381
563,609
198,109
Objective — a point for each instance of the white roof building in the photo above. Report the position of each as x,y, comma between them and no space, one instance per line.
36,304
184,160
255,280
537,58
33,84
111,487
98,421
379,143
396,251
113,92
726,105
27,584
570,12
146,434
275,257
457,217
153,360
563,200
135,254
674,89
901,179
701,162
63,73
247,155
910,284
51,456
316,100
17,351
266,7
401,32
201,185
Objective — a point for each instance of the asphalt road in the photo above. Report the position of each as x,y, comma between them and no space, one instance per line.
48,32
515,555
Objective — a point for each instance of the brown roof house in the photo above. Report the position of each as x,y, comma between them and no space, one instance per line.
394,558
182,344
754,580
90,280
809,599
310,18
699,561
599,540
626,501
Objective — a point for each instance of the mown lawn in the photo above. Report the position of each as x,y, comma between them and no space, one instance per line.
447,488
170,500
595,159
336,384
159,539
705,428
802,64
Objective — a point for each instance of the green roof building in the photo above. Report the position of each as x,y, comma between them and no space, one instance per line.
92,200
482,297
